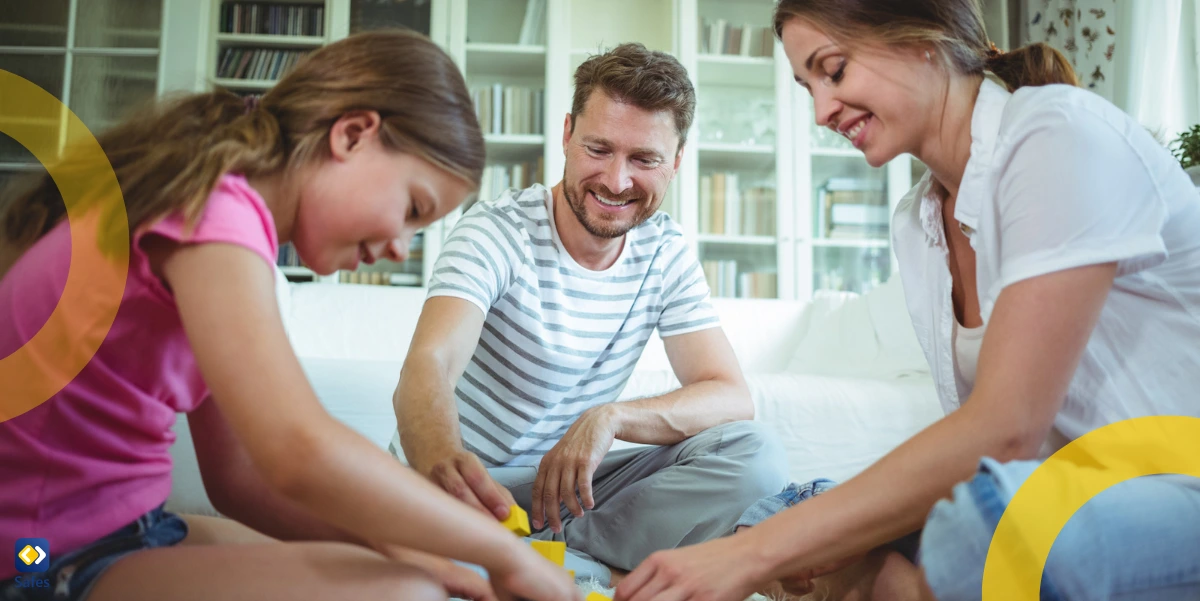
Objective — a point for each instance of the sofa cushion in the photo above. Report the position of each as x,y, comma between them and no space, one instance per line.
831,427
868,336
358,393
834,427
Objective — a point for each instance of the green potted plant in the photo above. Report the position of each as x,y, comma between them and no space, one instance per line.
1186,148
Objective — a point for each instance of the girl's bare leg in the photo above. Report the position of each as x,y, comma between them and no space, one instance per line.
221,559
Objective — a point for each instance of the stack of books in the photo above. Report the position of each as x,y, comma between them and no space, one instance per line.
509,109
727,208
852,209
499,177
718,36
273,19
257,63
726,282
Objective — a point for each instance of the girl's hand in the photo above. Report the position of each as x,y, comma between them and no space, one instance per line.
458,581
720,570
527,575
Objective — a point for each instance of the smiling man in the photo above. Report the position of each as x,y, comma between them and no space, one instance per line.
540,305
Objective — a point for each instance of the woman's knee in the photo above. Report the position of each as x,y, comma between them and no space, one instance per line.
958,532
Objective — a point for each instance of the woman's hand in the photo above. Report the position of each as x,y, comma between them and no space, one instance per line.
725,569
524,574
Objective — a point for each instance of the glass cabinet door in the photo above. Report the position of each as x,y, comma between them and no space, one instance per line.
102,62
851,216
736,129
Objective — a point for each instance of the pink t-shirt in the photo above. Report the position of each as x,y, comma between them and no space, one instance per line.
96,456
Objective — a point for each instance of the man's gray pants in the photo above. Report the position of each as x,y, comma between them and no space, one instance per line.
655,498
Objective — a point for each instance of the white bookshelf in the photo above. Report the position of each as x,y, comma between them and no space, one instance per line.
269,40
494,45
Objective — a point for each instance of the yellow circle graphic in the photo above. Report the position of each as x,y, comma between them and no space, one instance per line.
99,229
1089,465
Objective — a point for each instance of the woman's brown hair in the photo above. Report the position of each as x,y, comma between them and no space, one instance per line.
954,27
169,156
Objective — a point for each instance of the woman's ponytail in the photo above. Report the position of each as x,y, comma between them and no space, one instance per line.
1033,65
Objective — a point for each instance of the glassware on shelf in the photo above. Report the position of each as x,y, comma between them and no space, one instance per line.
850,269
732,115
520,22
824,138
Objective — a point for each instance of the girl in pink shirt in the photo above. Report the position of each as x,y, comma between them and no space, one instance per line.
363,143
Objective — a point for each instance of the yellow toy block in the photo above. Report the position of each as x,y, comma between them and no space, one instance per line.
571,573
518,521
555,551
597,597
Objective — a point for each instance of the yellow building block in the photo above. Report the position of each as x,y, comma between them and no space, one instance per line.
518,521
555,551
597,597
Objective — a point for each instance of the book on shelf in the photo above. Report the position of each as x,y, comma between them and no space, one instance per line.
501,176
725,281
257,63
533,28
270,18
287,257
718,36
728,207
852,208
509,109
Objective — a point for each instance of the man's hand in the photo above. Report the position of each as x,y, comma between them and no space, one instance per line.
462,474
565,474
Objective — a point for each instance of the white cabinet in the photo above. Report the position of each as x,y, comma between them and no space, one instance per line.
101,58
773,205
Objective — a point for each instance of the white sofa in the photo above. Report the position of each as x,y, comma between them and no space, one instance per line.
841,379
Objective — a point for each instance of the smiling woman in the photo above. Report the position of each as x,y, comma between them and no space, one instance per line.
1051,237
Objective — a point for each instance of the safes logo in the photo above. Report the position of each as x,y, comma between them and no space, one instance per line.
33,555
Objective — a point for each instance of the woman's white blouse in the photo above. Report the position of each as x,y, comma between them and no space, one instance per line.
1060,178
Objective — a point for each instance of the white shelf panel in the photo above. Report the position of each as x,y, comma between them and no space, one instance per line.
736,156
738,240
298,271
730,70
283,41
850,243
406,279
837,152
513,147
243,84
512,60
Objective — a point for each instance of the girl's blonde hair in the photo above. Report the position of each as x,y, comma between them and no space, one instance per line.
169,156
954,27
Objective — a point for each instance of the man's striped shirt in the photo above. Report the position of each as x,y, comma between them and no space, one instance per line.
557,338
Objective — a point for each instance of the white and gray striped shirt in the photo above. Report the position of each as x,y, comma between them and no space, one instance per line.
558,338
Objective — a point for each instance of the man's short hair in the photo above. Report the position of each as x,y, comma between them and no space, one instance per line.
647,79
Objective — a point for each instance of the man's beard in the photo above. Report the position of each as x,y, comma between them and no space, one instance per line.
605,228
